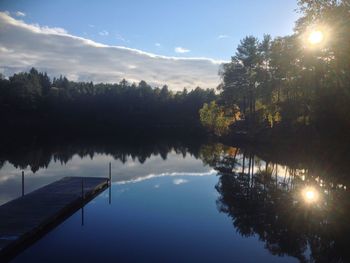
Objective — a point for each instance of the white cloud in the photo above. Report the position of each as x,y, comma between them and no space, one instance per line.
53,30
104,33
179,181
21,14
181,50
157,44
152,176
57,52
223,36
121,38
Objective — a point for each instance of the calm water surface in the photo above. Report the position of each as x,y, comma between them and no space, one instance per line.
211,203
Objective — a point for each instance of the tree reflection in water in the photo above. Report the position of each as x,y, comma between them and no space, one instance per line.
294,211
38,152
296,201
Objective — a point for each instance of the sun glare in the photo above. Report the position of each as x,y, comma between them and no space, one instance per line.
310,195
316,37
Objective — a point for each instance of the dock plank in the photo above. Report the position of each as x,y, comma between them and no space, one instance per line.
25,217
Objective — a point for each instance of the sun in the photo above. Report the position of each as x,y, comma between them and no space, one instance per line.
310,195
316,37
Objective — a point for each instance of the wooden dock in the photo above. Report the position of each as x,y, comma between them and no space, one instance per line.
26,219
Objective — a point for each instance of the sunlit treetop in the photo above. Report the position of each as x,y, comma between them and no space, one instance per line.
316,36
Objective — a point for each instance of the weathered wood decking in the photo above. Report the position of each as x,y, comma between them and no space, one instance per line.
27,218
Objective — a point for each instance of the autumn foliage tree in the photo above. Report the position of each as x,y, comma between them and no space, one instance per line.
290,82
215,119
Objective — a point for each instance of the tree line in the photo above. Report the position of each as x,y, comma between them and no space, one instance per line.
301,81
33,98
271,86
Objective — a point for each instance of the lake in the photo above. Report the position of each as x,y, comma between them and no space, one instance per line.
189,201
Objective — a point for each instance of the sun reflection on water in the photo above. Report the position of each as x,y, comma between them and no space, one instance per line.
310,195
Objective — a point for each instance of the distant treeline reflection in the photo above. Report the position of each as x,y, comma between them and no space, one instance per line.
37,152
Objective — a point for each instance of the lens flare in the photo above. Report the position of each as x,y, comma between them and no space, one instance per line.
310,195
316,37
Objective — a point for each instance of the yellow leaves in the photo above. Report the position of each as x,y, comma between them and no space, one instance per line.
215,119
232,151
274,118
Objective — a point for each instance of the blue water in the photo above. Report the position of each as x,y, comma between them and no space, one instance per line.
171,216
179,202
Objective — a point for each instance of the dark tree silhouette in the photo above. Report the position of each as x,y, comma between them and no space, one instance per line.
262,201
288,84
30,98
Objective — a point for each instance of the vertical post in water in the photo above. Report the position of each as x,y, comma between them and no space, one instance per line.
82,189
22,183
110,173
110,183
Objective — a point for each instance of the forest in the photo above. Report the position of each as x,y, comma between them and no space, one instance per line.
32,99
289,84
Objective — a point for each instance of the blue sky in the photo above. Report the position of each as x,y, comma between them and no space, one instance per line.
209,29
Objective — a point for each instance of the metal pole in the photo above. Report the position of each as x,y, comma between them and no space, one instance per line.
110,173
110,184
82,188
22,183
